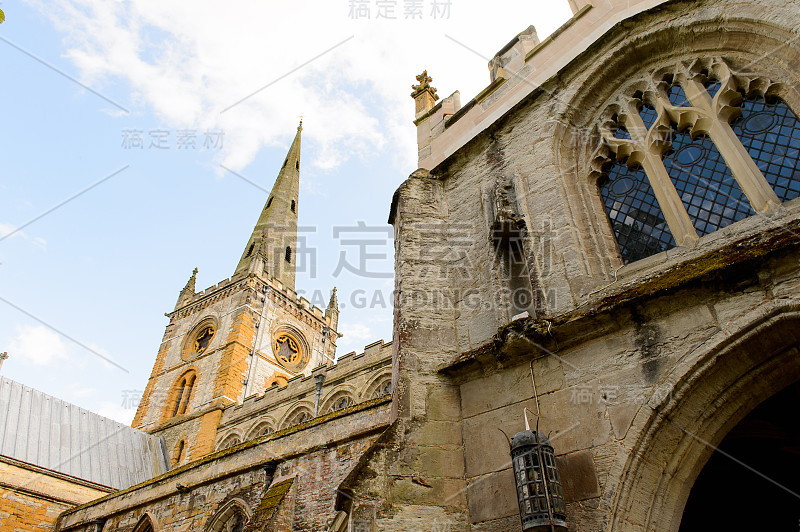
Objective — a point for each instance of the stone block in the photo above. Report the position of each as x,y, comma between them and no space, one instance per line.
578,476
492,496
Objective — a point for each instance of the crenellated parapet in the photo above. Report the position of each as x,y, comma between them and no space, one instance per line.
354,379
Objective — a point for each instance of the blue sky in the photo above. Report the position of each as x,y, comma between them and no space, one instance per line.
94,276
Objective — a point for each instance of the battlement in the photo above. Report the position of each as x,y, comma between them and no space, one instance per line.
275,284
521,67
354,375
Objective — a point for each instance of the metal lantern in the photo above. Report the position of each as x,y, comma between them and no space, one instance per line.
539,492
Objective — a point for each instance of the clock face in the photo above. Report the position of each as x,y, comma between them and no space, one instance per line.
288,352
202,339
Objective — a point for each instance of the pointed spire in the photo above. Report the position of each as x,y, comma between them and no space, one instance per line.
188,291
332,311
271,249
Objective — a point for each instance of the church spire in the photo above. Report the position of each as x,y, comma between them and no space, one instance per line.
271,249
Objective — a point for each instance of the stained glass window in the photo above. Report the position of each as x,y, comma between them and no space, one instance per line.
770,132
635,216
709,192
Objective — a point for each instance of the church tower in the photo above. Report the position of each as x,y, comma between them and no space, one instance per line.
240,336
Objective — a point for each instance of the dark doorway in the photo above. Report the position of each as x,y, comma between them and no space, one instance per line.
730,496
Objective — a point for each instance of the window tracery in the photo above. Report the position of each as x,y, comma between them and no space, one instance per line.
689,155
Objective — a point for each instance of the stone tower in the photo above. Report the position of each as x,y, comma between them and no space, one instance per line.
240,336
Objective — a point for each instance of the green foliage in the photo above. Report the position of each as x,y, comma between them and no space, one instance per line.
2,16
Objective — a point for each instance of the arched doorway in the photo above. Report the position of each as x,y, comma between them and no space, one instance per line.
751,480
713,391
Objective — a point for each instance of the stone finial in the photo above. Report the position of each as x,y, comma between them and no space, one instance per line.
332,311
424,95
424,85
334,302
191,283
188,291
3,356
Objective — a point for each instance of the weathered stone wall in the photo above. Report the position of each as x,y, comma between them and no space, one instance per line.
637,365
315,456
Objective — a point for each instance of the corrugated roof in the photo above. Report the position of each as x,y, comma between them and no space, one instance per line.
50,433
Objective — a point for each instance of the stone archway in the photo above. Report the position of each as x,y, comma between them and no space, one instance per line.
712,392
751,479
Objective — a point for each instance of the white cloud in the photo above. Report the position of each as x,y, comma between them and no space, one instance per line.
116,411
38,345
10,231
357,335
189,61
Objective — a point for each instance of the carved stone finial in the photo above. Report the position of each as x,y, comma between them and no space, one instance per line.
424,85
190,284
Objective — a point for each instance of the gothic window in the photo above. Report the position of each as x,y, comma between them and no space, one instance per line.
184,394
293,207
266,430
288,254
232,517
705,184
301,416
341,403
250,249
229,442
144,524
297,165
269,201
384,388
770,132
679,157
638,223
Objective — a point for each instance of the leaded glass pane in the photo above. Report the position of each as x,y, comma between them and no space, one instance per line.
648,114
677,96
771,134
635,216
704,182
713,86
621,133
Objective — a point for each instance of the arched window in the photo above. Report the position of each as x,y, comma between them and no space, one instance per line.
250,249
288,254
299,416
297,165
669,182
384,389
145,524
637,220
269,201
770,132
229,442
293,207
341,403
185,388
232,517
